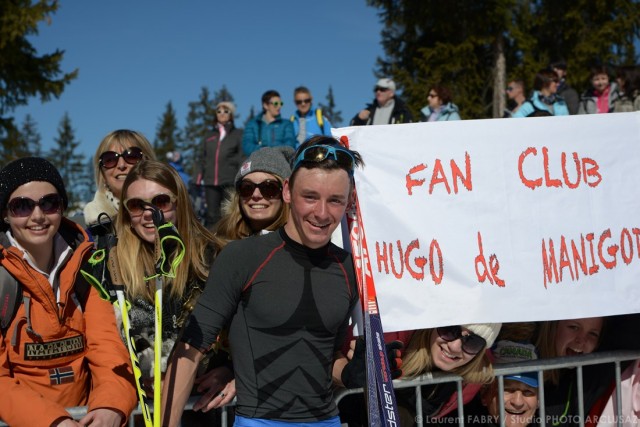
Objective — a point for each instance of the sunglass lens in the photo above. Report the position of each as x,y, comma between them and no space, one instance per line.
162,202
269,189
50,203
21,206
473,344
132,155
109,159
135,206
449,333
246,189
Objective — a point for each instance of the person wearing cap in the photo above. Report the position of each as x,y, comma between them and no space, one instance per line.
458,349
61,348
287,296
220,156
440,107
307,121
268,129
385,109
520,390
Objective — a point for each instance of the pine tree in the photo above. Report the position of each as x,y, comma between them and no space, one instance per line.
24,73
31,137
329,110
71,164
168,134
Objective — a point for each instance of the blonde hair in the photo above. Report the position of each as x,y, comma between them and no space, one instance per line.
136,258
418,360
234,225
124,138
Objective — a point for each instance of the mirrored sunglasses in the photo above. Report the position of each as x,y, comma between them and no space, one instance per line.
303,101
109,159
471,344
136,206
270,189
319,153
24,206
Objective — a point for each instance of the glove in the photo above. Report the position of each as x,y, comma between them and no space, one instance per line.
354,373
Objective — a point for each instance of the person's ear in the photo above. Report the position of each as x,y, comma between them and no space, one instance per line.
286,191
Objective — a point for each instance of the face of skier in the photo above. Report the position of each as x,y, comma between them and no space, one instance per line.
260,206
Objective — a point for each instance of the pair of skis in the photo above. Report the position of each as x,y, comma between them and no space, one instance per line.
379,393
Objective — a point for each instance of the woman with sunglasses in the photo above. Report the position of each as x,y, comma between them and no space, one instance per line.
155,185
116,155
460,350
440,107
61,348
268,129
221,157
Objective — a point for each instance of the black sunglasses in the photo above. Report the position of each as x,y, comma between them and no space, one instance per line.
24,206
471,344
380,89
109,159
136,206
269,189
303,101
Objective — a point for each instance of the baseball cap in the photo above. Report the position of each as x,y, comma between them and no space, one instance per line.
386,84
512,352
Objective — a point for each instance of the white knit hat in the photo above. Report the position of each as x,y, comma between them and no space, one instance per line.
488,331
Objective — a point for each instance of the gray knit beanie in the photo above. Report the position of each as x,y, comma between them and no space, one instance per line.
25,170
273,160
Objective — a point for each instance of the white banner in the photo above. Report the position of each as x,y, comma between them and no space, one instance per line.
501,220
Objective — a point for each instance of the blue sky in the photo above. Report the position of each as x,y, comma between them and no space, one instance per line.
135,56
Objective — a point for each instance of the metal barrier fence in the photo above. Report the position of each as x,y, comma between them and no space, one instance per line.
502,370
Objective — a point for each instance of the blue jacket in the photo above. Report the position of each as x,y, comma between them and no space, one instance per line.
532,104
312,125
449,112
258,134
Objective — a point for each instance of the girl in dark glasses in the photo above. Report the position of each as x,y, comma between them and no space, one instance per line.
154,184
255,204
116,155
459,349
61,347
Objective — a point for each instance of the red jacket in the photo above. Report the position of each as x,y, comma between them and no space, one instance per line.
68,357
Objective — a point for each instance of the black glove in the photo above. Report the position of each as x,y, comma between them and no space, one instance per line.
354,372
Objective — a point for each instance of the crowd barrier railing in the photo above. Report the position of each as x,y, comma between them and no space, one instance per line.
540,366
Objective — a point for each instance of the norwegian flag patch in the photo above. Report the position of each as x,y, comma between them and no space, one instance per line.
245,168
62,375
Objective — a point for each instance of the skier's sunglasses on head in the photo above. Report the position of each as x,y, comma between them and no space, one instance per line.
109,159
24,206
319,153
136,206
269,189
471,344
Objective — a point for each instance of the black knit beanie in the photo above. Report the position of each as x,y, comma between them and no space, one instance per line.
26,170
273,160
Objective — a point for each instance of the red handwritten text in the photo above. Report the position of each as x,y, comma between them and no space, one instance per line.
586,170
414,266
587,254
439,177
490,271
